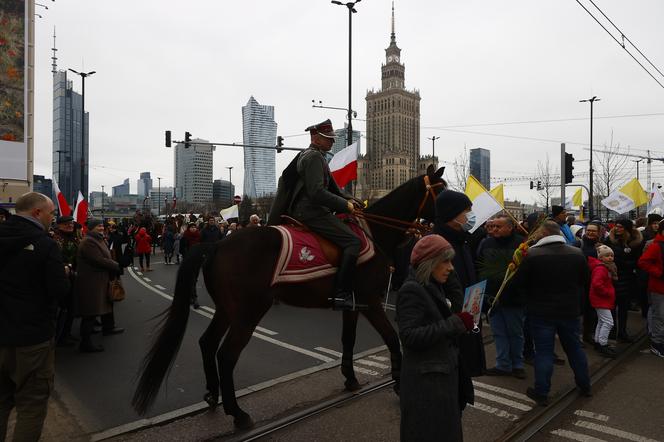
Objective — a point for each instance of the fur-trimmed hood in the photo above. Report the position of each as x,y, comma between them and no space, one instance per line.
631,239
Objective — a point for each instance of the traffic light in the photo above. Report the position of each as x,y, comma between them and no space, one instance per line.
539,185
569,167
187,140
532,185
168,138
280,143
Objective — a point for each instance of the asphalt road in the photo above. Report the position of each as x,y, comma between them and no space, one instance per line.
97,388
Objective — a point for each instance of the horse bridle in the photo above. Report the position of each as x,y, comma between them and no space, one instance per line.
398,224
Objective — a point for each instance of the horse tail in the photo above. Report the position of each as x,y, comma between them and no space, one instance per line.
158,362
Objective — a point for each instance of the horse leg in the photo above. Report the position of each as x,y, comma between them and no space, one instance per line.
237,338
209,343
348,342
378,319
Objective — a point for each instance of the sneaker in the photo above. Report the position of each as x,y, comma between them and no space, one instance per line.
495,371
519,373
657,349
542,401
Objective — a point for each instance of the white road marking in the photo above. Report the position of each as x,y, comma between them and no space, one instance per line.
573,435
294,348
504,391
260,329
147,279
372,364
135,268
379,358
613,431
591,415
497,411
365,371
160,287
503,401
329,351
139,273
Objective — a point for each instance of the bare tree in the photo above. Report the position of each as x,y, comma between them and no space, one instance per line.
461,171
611,169
548,179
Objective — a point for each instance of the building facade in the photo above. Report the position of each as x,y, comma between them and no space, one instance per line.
340,141
393,129
193,172
223,191
144,184
161,199
260,129
68,145
480,166
97,200
43,185
121,189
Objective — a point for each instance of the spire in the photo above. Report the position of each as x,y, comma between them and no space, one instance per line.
54,58
393,37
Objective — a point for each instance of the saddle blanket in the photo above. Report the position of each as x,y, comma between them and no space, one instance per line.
302,257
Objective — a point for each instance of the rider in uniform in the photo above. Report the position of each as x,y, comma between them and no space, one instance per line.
312,196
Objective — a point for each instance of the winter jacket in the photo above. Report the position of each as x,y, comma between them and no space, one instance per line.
554,276
96,268
589,246
602,293
143,241
32,282
464,260
651,261
493,257
211,234
627,251
188,240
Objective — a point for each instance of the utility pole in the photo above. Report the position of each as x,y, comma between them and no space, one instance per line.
102,202
230,180
159,197
433,145
563,178
591,202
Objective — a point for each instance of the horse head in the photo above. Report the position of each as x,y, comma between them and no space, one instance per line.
432,183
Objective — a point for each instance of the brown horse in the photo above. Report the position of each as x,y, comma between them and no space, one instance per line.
242,294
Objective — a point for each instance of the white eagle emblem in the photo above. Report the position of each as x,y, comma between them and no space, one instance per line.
305,255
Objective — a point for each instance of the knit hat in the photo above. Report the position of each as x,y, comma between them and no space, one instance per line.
428,247
626,223
654,218
556,210
603,251
93,222
449,204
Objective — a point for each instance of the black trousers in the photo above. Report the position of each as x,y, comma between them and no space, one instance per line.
333,229
88,324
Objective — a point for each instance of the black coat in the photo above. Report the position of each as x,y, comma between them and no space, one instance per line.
431,383
211,234
32,282
626,253
493,257
464,259
554,277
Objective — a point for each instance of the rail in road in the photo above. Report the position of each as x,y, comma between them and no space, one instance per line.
523,430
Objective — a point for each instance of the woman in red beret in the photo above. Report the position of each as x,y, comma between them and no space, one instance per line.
430,401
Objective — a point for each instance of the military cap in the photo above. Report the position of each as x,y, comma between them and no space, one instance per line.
64,219
325,129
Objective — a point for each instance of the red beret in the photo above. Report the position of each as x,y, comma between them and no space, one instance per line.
428,247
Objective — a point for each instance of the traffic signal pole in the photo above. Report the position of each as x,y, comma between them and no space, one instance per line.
563,178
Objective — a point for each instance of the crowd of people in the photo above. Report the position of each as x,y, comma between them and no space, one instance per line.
576,280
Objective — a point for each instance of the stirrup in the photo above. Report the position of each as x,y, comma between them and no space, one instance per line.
345,304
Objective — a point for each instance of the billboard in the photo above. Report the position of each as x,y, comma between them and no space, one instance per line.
13,89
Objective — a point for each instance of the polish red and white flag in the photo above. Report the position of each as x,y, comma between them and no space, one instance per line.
63,207
81,210
343,165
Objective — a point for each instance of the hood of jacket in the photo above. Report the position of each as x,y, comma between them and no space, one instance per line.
16,233
631,239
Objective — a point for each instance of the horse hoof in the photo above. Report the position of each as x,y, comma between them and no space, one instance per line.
211,399
352,385
243,422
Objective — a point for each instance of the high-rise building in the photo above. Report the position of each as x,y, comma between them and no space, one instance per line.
223,191
43,185
97,200
144,184
259,128
393,129
160,199
67,145
193,172
340,141
121,189
480,166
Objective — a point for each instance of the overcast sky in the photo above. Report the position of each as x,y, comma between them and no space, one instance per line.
193,65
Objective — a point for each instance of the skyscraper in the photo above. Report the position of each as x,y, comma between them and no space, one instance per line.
480,166
121,189
340,141
393,129
223,191
144,184
193,172
67,146
259,128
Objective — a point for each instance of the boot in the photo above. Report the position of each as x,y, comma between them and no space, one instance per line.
343,289
88,347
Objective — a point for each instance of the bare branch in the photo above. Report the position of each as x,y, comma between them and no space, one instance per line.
549,179
461,171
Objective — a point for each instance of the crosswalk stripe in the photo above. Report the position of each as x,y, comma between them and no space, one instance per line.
502,400
504,391
573,435
260,329
372,364
591,415
365,371
379,358
328,351
160,287
496,411
147,279
613,431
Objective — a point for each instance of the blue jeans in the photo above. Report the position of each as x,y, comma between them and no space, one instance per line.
507,327
544,333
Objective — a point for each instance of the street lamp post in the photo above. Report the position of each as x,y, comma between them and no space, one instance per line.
230,181
159,197
591,203
102,202
83,76
637,179
433,145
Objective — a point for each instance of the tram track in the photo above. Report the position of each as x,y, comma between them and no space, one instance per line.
523,430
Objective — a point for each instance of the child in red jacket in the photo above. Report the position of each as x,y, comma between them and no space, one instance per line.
143,248
603,296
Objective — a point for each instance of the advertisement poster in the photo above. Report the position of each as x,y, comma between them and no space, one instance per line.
13,89
472,301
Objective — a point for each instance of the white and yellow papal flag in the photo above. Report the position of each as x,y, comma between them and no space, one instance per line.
484,204
499,194
230,212
628,197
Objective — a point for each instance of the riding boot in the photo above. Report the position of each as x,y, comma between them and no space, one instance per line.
343,289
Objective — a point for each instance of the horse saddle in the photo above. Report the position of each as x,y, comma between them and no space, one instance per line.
305,256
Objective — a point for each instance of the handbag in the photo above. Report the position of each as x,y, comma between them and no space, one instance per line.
116,291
